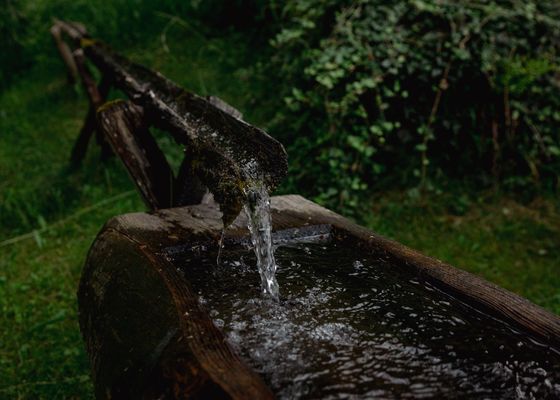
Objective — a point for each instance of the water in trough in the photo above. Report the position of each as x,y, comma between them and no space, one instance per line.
353,325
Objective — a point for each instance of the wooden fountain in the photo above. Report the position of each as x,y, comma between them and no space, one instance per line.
146,334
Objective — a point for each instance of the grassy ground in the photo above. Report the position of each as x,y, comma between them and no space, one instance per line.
514,245
49,215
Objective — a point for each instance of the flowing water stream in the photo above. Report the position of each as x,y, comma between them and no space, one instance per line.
352,325
257,209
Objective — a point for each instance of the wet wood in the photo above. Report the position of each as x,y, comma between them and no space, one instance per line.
472,289
122,123
226,154
202,224
146,333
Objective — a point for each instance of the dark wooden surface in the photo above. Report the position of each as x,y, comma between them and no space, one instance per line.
146,334
225,154
292,211
122,123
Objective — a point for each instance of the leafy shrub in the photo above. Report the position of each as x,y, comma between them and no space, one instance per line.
415,91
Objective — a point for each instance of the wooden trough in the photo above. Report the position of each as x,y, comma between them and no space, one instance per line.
147,336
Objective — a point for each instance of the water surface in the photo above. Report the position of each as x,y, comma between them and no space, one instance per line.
349,325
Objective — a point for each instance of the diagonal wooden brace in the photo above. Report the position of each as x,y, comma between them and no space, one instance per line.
123,124
97,96
65,53
90,125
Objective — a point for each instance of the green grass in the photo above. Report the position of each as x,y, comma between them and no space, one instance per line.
59,212
513,245
49,215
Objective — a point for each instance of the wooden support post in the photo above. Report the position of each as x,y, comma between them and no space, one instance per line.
188,188
80,146
96,99
123,124
65,53
87,80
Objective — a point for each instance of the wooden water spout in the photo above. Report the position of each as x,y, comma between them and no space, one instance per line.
222,152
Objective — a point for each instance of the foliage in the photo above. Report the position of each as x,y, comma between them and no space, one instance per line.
384,94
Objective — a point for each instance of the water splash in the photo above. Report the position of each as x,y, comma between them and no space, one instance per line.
220,246
353,325
257,209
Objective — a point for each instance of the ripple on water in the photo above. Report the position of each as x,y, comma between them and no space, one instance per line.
351,325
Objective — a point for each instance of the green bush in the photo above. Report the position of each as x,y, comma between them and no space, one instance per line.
373,94
412,92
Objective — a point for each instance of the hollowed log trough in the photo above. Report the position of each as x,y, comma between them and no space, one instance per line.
147,336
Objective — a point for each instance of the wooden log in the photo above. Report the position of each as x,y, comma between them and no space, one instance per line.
123,124
146,334
293,212
130,245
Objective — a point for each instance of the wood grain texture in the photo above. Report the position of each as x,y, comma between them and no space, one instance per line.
146,334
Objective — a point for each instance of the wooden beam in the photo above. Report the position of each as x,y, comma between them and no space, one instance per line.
228,154
131,297
123,124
